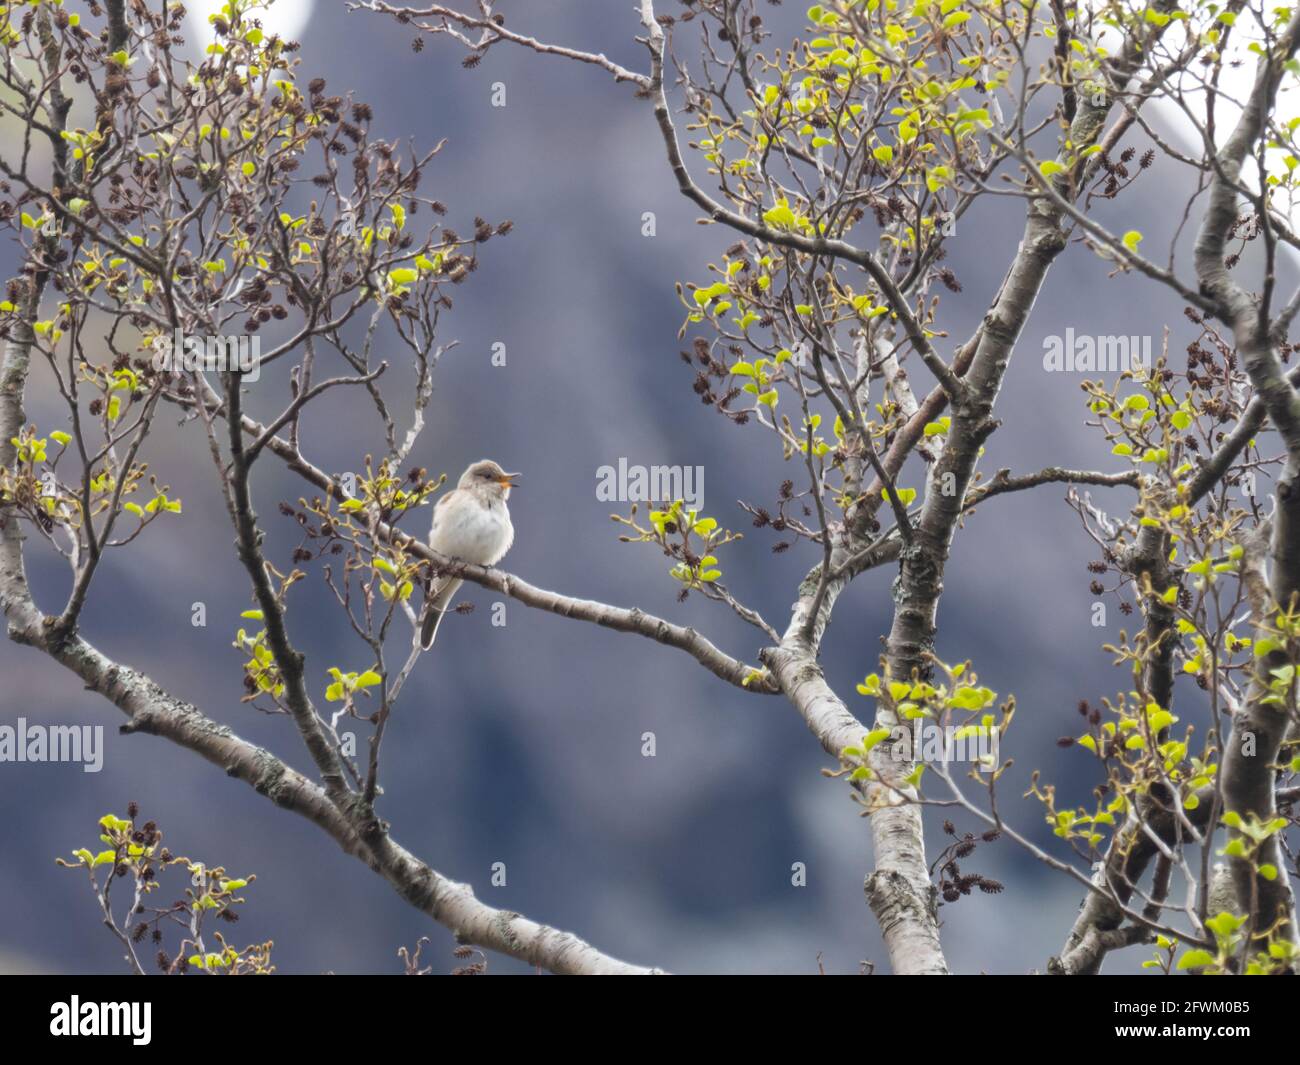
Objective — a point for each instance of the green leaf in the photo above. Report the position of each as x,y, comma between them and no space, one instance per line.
1194,958
1224,924
874,738
780,216
968,698
1160,719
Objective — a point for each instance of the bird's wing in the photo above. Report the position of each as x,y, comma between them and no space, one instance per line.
440,589
440,510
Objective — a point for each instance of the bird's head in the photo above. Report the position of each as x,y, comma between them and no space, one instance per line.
487,475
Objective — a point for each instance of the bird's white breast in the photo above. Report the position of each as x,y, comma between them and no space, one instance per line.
477,534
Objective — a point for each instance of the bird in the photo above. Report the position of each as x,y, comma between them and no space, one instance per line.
470,523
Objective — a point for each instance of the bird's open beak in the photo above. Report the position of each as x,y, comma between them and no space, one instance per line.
508,480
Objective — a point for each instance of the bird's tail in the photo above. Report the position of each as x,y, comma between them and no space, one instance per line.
434,608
